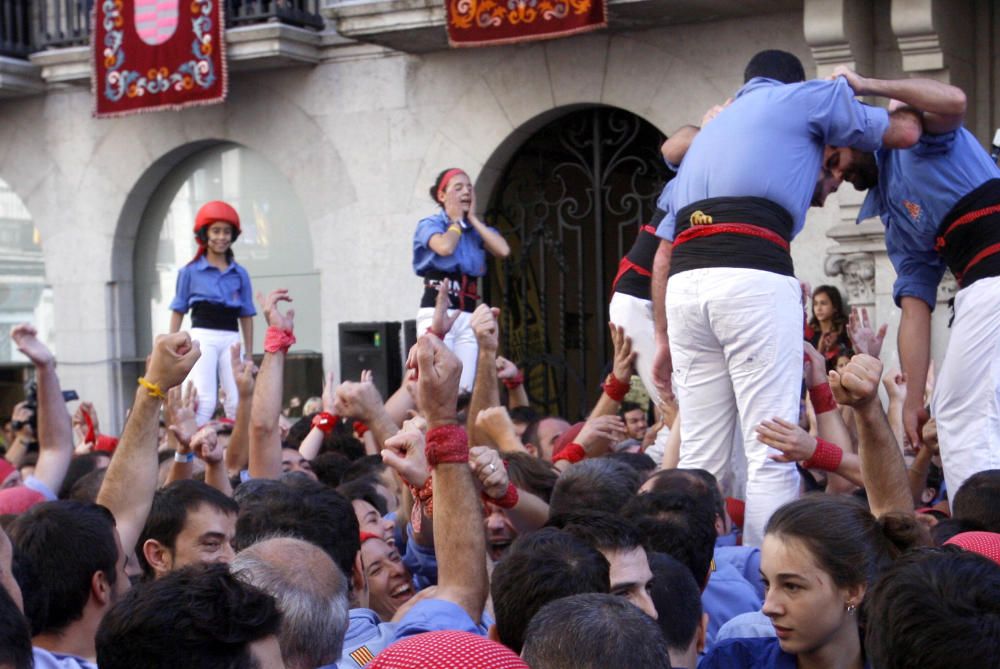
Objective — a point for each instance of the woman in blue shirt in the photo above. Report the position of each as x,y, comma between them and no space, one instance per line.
819,555
217,291
451,246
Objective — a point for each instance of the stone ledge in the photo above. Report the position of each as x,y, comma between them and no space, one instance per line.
19,78
418,26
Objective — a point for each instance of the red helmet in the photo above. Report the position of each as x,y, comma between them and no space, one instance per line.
215,211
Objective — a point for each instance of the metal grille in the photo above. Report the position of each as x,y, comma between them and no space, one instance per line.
570,204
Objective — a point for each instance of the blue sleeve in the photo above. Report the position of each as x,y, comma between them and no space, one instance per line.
934,145
918,272
183,292
435,615
246,294
421,561
665,230
840,120
427,228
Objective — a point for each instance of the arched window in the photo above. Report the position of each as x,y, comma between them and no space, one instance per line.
275,245
24,295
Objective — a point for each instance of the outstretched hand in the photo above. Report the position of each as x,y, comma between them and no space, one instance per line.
484,325
207,445
244,372
624,355
439,372
600,433
865,339
181,410
172,358
487,467
273,316
794,443
25,337
441,322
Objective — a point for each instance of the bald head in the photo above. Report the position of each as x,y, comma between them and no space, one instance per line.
311,592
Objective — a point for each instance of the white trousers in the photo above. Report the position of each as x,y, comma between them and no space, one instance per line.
214,367
635,317
736,343
966,401
461,340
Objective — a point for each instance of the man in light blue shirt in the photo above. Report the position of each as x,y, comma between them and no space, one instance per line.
938,201
731,344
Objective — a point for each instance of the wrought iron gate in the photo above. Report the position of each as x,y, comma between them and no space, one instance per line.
570,203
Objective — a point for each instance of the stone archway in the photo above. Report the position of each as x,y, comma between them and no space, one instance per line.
570,201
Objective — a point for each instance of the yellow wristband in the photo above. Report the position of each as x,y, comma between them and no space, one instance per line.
455,227
153,389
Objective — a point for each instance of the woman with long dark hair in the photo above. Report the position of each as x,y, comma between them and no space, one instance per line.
820,554
827,329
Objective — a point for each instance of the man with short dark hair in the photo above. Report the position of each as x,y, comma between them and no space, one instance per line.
189,522
71,567
934,609
594,631
978,500
678,601
594,484
539,568
635,420
620,542
199,617
311,593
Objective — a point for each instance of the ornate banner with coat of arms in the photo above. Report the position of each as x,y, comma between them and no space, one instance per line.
157,54
490,22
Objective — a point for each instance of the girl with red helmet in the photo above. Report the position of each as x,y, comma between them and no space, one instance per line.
216,289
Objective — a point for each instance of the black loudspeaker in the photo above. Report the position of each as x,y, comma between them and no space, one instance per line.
409,337
373,346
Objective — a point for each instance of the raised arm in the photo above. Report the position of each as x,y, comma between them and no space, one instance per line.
459,540
882,465
238,450
616,386
493,241
265,435
55,428
914,344
943,106
486,389
209,449
360,400
130,481
526,512
662,364
495,427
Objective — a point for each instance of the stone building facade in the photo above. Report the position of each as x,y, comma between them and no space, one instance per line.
351,115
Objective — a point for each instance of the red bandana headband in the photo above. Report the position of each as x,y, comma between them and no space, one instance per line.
448,176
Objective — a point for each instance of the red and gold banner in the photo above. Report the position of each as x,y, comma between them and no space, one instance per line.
157,54
490,22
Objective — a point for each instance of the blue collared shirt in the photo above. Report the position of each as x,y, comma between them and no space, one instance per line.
469,256
201,281
916,188
726,596
769,143
366,637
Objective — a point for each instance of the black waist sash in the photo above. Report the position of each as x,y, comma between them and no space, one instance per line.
212,316
969,236
463,290
635,269
746,232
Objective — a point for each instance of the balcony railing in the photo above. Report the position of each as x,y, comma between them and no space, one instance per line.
55,24
15,28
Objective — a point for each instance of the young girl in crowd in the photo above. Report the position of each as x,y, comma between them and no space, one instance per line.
451,246
217,291
827,329
820,554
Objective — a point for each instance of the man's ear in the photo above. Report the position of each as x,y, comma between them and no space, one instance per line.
359,583
532,449
100,589
158,556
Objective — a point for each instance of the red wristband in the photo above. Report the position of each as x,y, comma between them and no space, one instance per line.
822,398
325,421
446,444
573,452
515,381
91,434
278,339
436,334
509,499
360,428
615,389
826,457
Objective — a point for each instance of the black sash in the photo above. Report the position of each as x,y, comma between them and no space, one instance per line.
969,236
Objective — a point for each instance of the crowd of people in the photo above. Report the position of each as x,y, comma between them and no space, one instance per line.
765,509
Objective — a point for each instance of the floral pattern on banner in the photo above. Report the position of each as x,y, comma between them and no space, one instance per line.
485,22
132,76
